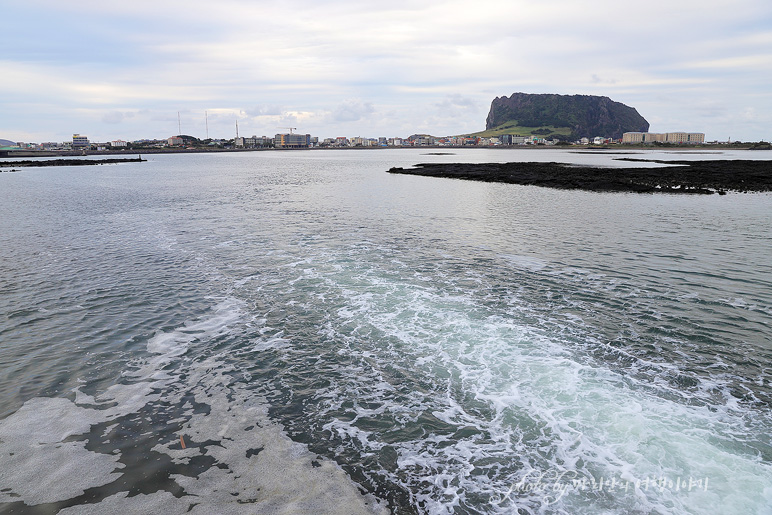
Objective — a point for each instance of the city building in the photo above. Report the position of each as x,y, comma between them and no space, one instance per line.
292,140
118,143
80,142
667,137
175,141
253,142
685,137
421,140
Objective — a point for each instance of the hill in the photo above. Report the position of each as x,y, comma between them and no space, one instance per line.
7,143
562,116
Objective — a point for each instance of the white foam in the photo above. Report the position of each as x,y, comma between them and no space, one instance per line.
274,342
176,343
159,502
534,401
278,476
532,263
283,477
37,466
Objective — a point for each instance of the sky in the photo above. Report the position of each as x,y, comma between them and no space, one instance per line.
153,69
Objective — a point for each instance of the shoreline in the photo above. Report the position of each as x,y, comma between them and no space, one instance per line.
15,154
680,177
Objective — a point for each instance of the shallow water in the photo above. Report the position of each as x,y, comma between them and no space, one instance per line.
320,333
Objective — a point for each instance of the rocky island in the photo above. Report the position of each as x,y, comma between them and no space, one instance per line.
682,177
565,117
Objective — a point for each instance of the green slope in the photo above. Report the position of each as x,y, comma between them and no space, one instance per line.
586,115
512,127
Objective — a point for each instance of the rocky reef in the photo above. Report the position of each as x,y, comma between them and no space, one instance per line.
681,177
68,162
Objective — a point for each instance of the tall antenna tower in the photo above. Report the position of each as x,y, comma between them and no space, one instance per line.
206,117
179,124
237,127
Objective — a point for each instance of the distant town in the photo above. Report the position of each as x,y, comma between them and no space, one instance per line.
291,140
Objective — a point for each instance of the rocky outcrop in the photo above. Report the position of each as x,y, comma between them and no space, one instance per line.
587,116
700,177
69,162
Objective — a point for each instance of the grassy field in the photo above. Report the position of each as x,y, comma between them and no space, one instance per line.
513,128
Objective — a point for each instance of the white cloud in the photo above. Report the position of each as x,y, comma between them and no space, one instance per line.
352,110
113,117
434,62
264,110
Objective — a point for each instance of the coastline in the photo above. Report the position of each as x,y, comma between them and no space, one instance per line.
16,154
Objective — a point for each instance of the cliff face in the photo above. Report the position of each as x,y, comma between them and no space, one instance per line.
586,115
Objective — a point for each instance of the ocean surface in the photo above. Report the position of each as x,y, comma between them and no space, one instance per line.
302,332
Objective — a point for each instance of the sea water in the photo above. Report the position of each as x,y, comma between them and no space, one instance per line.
297,332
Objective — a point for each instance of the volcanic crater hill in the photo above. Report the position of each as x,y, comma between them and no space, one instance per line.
563,116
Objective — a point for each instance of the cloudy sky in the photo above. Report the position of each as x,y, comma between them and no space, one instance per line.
124,70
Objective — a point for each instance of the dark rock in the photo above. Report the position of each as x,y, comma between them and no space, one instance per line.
682,177
71,162
587,116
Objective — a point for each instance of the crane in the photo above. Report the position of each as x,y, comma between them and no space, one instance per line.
290,128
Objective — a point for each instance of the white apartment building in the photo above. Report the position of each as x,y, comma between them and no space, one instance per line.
685,137
666,137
